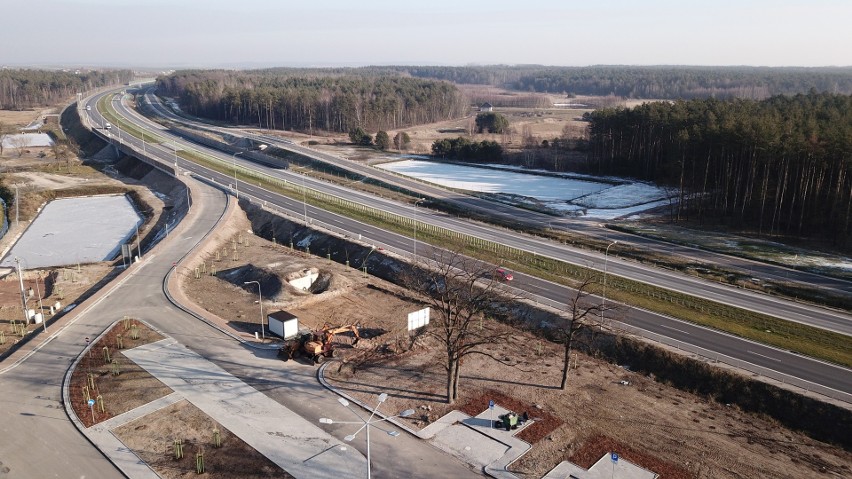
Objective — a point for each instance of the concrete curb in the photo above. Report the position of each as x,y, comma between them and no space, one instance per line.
498,469
191,308
325,384
69,411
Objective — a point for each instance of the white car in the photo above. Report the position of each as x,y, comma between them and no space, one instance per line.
88,107
107,125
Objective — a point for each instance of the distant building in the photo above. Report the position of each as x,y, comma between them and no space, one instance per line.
486,107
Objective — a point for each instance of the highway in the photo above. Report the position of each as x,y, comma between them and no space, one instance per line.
513,215
674,281
785,366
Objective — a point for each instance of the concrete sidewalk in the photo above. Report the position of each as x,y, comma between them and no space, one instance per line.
295,444
477,442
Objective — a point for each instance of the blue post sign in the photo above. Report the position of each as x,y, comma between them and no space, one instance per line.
614,457
491,413
91,403
491,404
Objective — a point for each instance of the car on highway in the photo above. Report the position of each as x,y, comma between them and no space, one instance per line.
503,275
88,107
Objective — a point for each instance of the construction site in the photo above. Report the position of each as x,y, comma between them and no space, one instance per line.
354,326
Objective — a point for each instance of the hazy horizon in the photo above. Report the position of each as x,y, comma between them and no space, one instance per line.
327,33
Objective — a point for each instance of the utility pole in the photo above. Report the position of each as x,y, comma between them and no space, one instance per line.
40,306
17,223
305,198
23,293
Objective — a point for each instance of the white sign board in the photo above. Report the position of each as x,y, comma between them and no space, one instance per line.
418,319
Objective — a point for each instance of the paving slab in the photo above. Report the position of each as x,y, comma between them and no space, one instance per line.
293,443
604,468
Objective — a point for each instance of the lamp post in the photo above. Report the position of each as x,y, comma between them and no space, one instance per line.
260,301
40,307
415,226
603,295
234,163
305,198
367,423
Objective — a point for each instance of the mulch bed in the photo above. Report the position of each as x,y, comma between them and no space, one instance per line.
595,447
131,388
544,422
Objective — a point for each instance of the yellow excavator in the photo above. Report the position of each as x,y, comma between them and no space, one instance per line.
317,345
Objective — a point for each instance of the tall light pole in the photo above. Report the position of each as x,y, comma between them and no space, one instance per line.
367,423
234,163
260,301
40,306
603,295
17,210
305,198
415,226
23,293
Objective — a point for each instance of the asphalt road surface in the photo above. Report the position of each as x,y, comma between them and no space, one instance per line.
785,366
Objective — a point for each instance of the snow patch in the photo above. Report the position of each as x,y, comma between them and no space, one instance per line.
30,140
564,193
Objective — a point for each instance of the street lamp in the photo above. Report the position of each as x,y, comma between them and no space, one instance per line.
415,226
367,423
603,295
260,301
40,306
234,162
305,198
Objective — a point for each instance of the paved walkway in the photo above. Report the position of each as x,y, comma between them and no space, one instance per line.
293,443
468,437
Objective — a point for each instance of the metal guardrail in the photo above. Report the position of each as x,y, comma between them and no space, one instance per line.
303,192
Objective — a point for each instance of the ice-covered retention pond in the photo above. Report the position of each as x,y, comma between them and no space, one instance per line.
75,230
581,195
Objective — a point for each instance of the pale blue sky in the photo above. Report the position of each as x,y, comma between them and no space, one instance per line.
447,32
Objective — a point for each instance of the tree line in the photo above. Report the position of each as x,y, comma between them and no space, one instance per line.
468,150
654,82
22,89
332,100
781,165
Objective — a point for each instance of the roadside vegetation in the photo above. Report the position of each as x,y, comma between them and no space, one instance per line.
814,342
779,166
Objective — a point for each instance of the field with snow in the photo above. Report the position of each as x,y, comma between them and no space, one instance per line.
566,194
27,140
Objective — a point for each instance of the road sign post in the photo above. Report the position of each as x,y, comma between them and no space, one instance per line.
91,404
491,413
614,458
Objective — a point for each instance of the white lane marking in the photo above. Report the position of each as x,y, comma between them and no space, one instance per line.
763,356
675,329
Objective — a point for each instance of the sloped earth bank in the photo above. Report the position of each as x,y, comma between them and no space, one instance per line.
659,427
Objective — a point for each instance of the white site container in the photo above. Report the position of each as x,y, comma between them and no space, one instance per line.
283,324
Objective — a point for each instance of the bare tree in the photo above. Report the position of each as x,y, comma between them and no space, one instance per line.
4,132
19,143
465,297
584,317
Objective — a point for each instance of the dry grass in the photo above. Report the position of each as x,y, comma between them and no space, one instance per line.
152,438
657,426
19,118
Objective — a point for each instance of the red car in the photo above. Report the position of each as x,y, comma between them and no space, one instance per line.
503,275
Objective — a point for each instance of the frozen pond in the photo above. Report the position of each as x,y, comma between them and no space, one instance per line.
585,197
75,230
27,140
